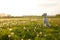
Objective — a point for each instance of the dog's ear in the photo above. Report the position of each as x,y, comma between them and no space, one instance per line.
45,14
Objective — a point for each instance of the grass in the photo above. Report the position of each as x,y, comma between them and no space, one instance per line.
29,29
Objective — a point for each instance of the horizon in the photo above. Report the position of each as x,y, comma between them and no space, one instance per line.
30,7
4,14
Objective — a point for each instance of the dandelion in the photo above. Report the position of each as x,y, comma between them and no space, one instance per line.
12,33
28,39
27,30
45,35
10,29
9,35
35,27
24,28
22,39
40,33
37,35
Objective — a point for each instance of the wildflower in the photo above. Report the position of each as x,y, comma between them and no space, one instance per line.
40,33
12,33
27,30
24,28
10,29
28,39
45,35
9,35
37,35
35,27
21,39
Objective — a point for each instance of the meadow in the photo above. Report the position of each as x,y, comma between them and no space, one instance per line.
29,28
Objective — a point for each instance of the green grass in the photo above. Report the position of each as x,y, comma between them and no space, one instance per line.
28,29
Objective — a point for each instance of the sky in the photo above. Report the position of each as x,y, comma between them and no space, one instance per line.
30,7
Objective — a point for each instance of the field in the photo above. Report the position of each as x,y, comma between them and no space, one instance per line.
29,28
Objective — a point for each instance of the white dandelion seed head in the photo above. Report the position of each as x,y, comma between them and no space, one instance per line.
28,39
24,28
45,35
9,35
37,35
12,33
27,30
10,29
35,27
40,33
22,39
